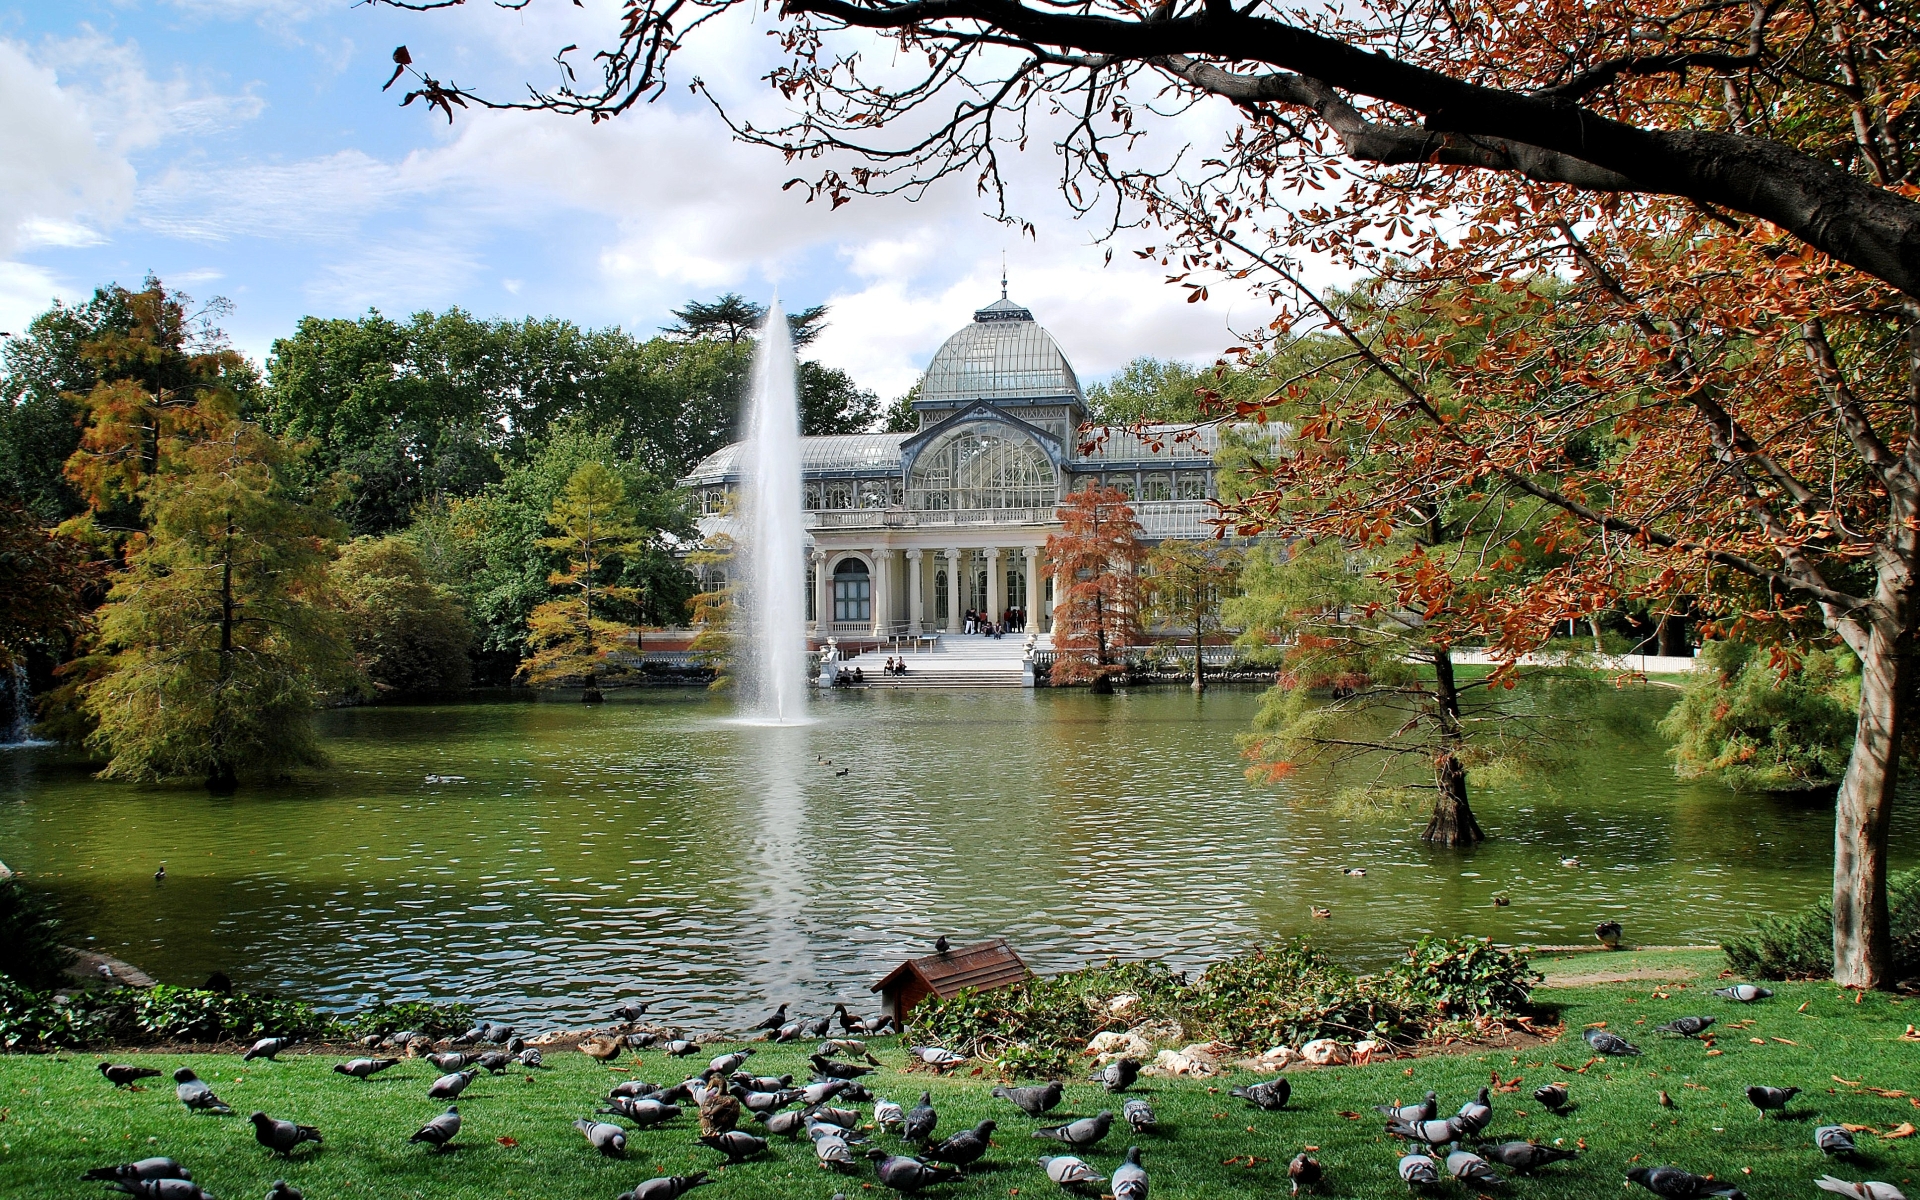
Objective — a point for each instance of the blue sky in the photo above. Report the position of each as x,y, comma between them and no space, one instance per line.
243,148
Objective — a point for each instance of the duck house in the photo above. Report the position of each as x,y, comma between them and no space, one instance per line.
982,967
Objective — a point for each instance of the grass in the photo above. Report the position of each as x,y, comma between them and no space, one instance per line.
58,1117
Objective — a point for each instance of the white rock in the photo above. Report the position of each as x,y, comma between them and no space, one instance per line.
1111,1045
1178,1062
1363,1051
1324,1052
1123,1004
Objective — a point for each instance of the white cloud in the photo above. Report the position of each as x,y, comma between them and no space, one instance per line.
24,293
55,175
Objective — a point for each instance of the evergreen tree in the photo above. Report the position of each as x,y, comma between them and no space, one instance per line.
1188,583
569,636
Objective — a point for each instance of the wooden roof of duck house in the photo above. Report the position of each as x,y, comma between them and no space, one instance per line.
982,967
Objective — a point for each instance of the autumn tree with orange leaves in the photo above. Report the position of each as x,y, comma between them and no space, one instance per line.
1096,560
1721,403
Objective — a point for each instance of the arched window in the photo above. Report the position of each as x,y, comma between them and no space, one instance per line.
982,465
941,605
852,591
840,494
1157,486
1016,588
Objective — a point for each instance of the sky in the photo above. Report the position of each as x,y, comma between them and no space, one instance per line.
244,149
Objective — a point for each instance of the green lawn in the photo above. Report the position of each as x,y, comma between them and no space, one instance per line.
58,1117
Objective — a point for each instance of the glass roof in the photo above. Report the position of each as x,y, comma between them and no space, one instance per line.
836,452
1003,355
1122,444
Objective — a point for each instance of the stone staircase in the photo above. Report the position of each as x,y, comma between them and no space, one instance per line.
955,661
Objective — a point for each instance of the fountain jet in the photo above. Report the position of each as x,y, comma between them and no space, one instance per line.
772,553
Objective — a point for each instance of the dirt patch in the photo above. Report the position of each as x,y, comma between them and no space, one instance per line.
1590,977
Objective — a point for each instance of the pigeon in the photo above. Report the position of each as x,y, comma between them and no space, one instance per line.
1072,1173
727,1064
146,1168
682,1048
909,1174
963,1148
1426,1110
851,1047
1608,1043
1609,934
774,1020
631,1011
1079,1134
1553,1095
160,875
439,1131
1834,1140
1468,1167
1139,1115
280,1189
1872,1189
826,1114
941,945
122,1075
1130,1178
1686,1026
1525,1156
451,1061
832,1151
449,1087
361,1068
160,1189
494,1061
1033,1100
266,1048
888,1115
737,1144
281,1136
785,1124
786,1033
633,1089
920,1120
1304,1171
938,1057
1743,993
856,1092
530,1057
1116,1076
609,1140
1771,1099
1475,1114
1419,1171
833,1069
644,1112
1433,1133
1676,1184
465,1039
1271,1095
197,1095
825,1090
765,1101
665,1187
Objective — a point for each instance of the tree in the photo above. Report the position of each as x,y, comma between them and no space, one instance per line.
45,580
569,636
900,416
1756,724
830,402
734,319
713,608
409,633
1188,583
1098,553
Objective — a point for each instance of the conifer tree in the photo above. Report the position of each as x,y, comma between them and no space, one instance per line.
1097,616
568,636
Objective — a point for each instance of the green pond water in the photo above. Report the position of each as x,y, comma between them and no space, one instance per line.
538,858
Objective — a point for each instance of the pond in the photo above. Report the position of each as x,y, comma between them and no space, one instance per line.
540,858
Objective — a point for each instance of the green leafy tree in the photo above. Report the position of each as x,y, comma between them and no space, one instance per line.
409,633
712,608
900,417
1764,725
1188,584
570,635
45,581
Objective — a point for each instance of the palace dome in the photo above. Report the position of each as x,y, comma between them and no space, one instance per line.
1003,354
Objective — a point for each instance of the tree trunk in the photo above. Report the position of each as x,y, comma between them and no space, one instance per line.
1452,822
1199,657
1862,940
592,693
1673,630
221,780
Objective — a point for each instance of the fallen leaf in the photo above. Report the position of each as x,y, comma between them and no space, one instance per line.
1911,1035
1518,1113
1785,1042
1409,1071
1711,1053
1904,1129
1857,996
1848,1082
1803,1006
1746,1170
506,1141
1887,1095
1311,1149
1758,1041
1859,1128
1595,1025
1565,1067
1351,1116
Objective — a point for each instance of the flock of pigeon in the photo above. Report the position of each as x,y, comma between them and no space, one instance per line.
727,1097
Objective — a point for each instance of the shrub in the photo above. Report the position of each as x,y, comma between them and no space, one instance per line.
1755,729
1799,944
409,633
1289,994
32,1019
1038,1027
1466,976
30,951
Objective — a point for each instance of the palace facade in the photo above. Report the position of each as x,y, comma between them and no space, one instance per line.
909,531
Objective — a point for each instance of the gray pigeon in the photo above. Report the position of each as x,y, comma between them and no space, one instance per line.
682,1048
280,1189
825,1090
1432,1133
1130,1178
833,1152
1553,1095
1116,1076
1476,1114
909,1174
1686,1026
530,1057
1032,1100
785,1124
281,1136
452,1060
361,1068
266,1048
963,1148
494,1061
888,1115
610,1140
1139,1114
146,1168
920,1120
1469,1167
123,1075
774,1019
631,1011
1418,1170
1743,993
1608,1043
644,1111
1834,1140
1079,1134
449,1087
1771,1099
828,1068
160,1189
1072,1173
827,1114
1271,1095
1426,1110
1872,1189
727,1064
197,1095
938,1057
665,1187
763,1083
737,1144
1676,1184
439,1131
1525,1156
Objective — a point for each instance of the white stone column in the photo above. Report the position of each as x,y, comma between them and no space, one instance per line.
956,594
1036,595
916,599
822,595
996,583
882,592
1059,595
